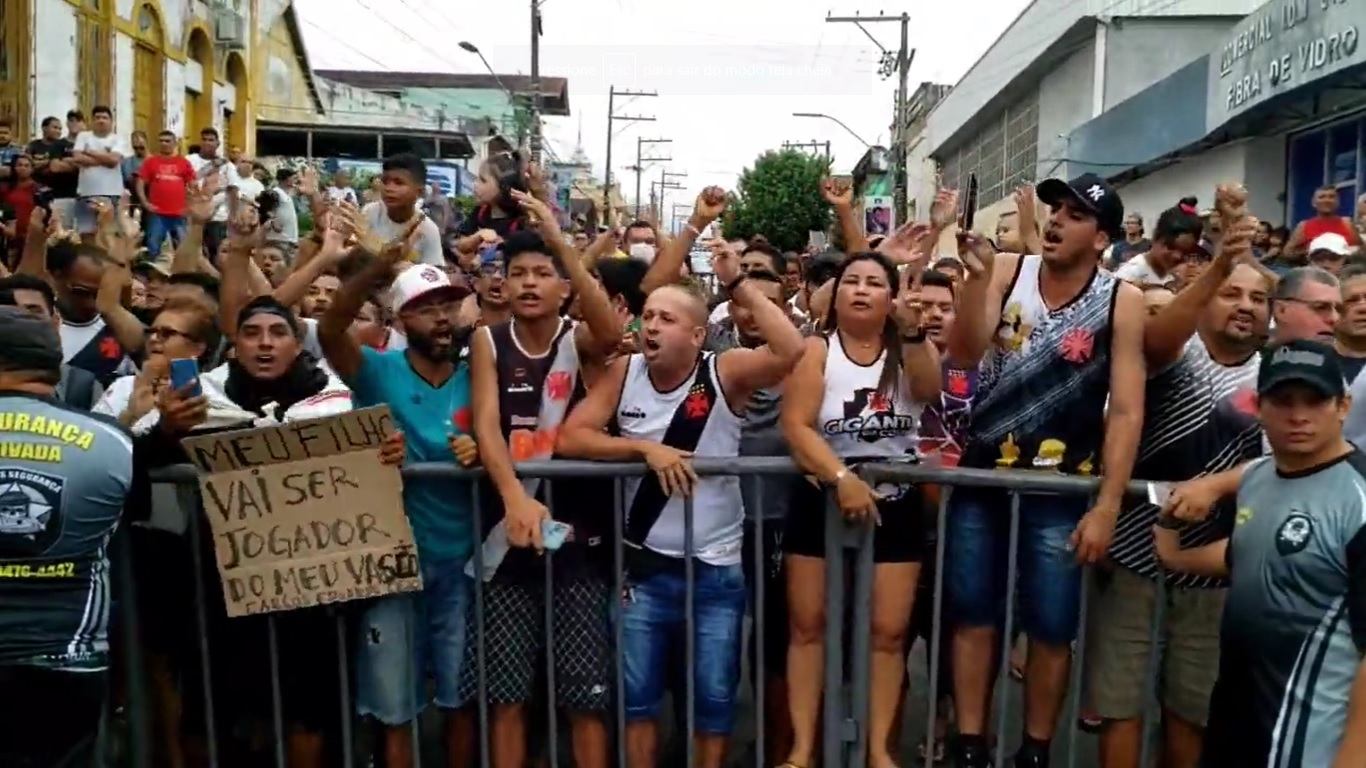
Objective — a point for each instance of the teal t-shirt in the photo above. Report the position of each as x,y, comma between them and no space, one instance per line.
438,509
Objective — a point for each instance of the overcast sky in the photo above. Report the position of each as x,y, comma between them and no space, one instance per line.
729,73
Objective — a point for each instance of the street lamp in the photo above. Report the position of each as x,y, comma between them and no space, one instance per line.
474,49
836,120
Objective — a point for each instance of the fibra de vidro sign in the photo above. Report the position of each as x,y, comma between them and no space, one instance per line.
1280,47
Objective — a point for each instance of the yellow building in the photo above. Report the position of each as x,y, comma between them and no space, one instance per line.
178,65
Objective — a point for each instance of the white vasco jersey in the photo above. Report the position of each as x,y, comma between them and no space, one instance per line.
860,422
645,413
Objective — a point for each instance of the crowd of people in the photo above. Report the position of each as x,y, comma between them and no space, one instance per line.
1217,358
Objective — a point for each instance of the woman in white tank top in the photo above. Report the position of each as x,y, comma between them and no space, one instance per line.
856,395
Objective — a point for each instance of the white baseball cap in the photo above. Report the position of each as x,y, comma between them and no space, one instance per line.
1331,242
416,282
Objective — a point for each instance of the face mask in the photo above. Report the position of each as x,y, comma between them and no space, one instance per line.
643,251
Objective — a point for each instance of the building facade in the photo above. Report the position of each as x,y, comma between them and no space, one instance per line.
178,65
1166,98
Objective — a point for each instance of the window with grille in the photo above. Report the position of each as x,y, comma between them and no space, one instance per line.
1003,154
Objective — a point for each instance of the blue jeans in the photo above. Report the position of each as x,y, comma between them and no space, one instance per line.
653,620
158,226
404,638
976,558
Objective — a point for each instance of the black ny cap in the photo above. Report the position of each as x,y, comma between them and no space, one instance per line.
28,342
1092,193
1311,363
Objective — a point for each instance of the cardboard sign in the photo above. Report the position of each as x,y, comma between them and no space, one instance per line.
305,514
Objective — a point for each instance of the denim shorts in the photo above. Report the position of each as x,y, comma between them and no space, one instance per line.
653,621
87,219
406,638
976,559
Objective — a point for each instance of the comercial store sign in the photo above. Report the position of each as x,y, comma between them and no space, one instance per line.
1282,46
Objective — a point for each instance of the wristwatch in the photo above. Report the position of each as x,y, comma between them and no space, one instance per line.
732,285
917,338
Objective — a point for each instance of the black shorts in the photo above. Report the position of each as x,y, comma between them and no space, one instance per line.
514,642
49,718
899,539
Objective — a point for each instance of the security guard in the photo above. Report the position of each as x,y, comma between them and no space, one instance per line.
1291,689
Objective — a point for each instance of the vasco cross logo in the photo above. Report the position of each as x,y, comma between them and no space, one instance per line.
30,512
1294,534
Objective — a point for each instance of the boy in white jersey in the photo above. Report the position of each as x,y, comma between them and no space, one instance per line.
670,401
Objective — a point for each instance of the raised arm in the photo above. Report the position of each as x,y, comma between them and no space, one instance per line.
127,328
840,196
33,260
665,269
919,357
198,210
744,370
339,347
980,303
295,287
1027,216
1166,333
600,332
1123,425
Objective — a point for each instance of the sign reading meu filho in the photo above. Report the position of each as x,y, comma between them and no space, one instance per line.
304,513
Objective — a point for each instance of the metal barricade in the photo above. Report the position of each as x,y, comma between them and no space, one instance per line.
844,733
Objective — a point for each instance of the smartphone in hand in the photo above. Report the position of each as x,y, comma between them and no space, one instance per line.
554,533
185,371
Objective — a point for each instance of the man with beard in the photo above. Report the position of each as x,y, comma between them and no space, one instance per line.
321,292
403,638
1351,331
765,496
1058,336
1202,352
671,401
1176,239
526,374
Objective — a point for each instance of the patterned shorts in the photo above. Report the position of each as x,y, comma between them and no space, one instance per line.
515,640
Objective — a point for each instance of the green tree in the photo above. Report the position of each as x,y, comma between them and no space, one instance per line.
779,198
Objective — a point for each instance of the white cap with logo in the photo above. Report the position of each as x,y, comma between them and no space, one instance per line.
416,282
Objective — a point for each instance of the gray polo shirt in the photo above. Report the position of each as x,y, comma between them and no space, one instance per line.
1294,626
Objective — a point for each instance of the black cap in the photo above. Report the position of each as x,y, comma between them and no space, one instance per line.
1311,363
1092,193
28,342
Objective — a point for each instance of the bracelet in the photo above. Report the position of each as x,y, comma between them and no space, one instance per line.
840,475
918,338
732,285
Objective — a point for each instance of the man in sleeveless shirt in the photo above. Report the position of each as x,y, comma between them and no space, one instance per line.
668,403
1200,418
1055,336
526,373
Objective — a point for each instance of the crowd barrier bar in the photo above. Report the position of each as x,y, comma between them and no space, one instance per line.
845,702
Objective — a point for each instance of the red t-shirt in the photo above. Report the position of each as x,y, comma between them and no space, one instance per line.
166,179
1322,225
21,198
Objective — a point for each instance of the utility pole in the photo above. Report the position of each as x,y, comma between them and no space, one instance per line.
900,64
814,146
659,200
612,117
536,81
639,167
666,181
